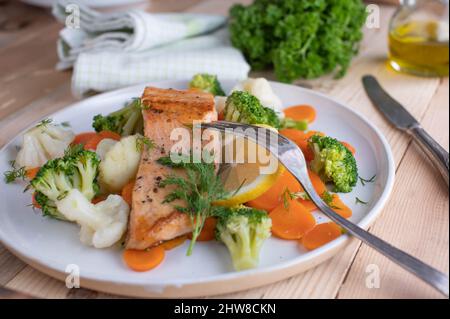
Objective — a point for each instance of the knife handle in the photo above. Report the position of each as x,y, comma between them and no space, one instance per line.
435,152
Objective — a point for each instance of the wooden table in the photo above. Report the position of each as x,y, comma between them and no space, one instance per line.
416,218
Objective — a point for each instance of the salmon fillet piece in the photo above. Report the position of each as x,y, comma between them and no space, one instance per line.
151,221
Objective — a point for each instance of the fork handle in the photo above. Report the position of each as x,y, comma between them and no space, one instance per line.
428,274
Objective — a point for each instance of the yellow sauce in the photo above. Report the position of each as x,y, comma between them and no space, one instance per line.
420,47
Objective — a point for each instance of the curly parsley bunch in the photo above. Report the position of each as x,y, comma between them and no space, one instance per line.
300,39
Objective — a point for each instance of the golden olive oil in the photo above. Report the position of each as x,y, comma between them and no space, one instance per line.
420,47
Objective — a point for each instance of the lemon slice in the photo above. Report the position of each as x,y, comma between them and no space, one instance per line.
248,172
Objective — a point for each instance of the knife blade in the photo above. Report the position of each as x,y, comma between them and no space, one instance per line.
390,108
404,121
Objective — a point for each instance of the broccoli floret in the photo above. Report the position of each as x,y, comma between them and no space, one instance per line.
48,207
243,230
126,121
57,177
207,83
333,162
245,108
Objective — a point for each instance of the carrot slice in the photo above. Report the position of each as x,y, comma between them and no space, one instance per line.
291,222
321,235
111,135
301,112
34,202
317,183
209,230
82,138
98,199
171,244
127,192
340,208
294,135
31,173
92,143
274,196
349,147
143,260
308,204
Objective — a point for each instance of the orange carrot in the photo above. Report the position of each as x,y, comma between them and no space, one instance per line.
127,192
209,230
34,202
92,143
321,235
349,147
98,199
294,135
291,222
274,196
82,138
301,113
308,204
171,244
143,260
31,173
340,208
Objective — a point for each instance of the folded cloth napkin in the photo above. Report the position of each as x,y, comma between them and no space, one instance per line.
114,50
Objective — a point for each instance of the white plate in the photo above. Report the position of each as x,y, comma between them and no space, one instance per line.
51,246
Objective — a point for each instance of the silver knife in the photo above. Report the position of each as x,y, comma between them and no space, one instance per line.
404,121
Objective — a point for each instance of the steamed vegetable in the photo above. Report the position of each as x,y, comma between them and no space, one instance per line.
333,162
261,89
76,170
44,142
126,121
243,230
300,39
207,83
102,224
245,108
120,164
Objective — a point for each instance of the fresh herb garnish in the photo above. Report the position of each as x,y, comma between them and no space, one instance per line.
143,142
65,124
199,189
14,173
44,122
74,149
370,180
359,201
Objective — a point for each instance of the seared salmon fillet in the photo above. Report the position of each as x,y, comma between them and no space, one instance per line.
151,221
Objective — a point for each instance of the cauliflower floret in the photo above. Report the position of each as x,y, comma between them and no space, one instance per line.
120,164
43,143
103,224
261,88
104,146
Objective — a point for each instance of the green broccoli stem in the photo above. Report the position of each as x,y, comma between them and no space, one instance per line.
291,123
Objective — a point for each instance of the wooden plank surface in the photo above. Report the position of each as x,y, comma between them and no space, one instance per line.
30,89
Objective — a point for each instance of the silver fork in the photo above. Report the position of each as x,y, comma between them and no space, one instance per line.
289,154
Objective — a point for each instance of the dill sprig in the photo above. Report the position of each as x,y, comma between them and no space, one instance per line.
44,122
370,180
143,142
15,173
198,190
74,149
359,201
